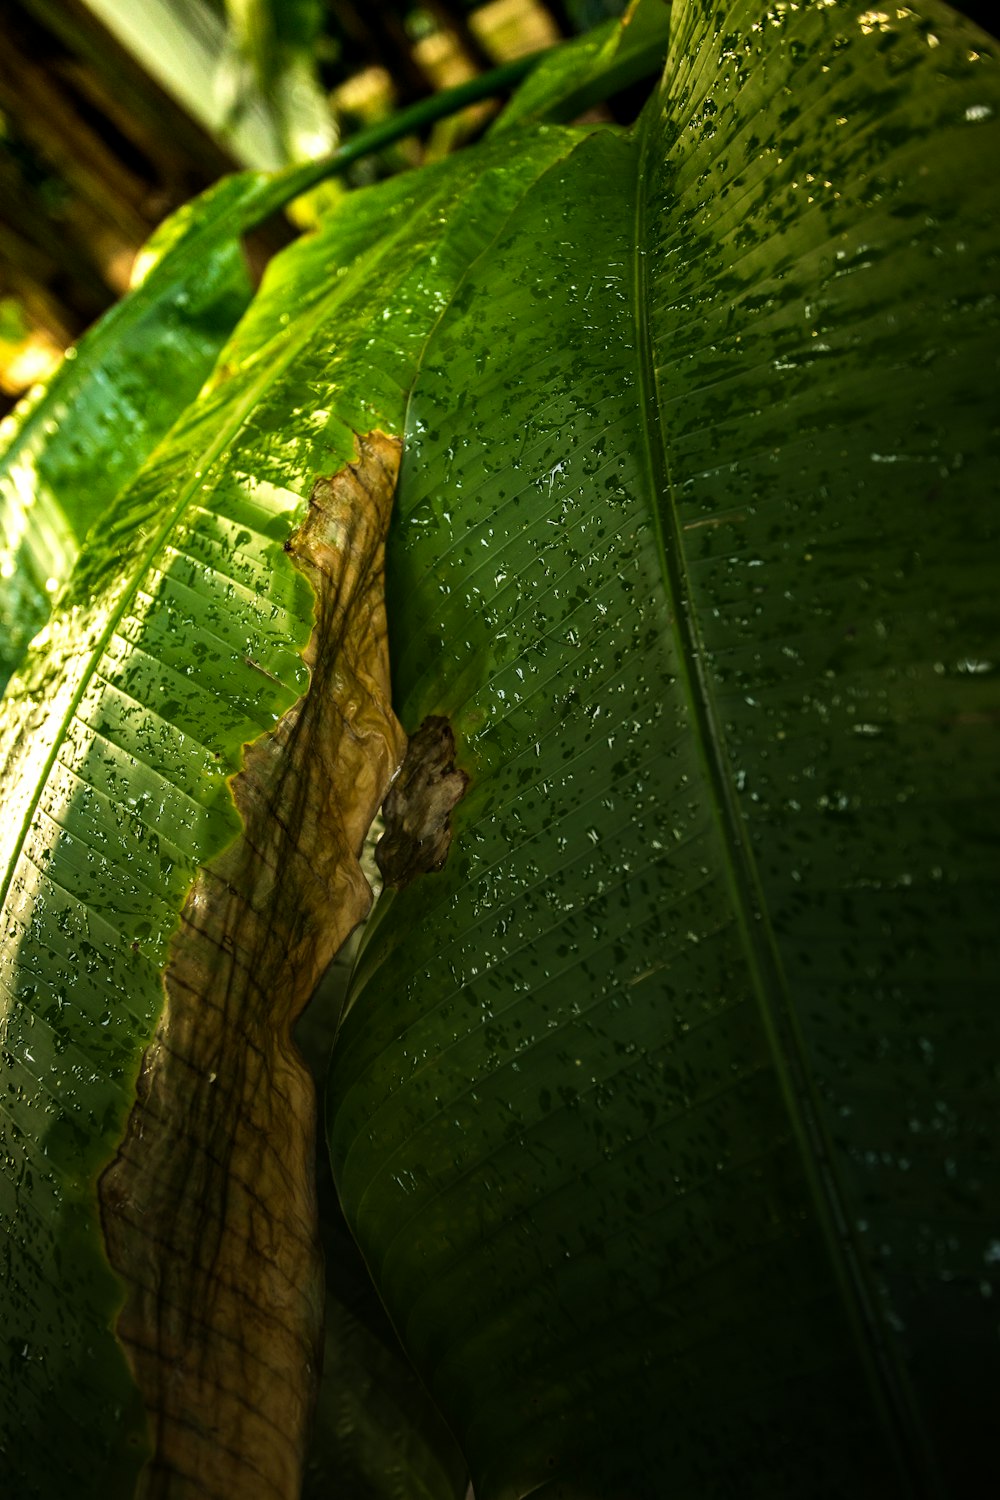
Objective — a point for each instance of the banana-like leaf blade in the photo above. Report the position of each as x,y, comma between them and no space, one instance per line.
601,1139
377,1434
664,1113
177,639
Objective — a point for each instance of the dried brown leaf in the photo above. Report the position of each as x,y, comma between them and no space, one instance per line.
209,1208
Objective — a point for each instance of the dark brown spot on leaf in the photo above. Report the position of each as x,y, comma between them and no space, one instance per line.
417,810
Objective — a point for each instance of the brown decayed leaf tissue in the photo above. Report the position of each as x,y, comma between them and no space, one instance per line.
418,809
209,1207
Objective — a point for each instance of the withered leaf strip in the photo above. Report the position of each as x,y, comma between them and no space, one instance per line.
418,809
209,1208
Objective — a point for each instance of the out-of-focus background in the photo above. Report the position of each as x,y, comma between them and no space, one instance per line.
115,112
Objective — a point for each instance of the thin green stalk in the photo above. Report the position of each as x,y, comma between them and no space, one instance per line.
290,184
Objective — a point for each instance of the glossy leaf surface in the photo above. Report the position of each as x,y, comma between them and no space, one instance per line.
177,639
664,1113
377,1434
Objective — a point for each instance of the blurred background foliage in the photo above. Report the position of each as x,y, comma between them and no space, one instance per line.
113,113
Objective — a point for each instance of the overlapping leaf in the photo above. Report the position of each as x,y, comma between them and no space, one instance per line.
176,640
70,449
662,1113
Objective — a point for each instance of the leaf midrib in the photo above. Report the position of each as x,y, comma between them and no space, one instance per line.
886,1379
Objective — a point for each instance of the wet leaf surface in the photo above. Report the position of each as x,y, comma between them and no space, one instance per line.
178,639
633,1108
209,1210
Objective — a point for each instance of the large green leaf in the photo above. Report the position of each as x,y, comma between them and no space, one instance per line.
72,445
665,1113
377,1434
177,639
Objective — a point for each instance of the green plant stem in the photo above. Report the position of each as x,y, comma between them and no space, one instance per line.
289,185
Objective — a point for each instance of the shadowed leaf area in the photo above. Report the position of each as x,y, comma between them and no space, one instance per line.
661,1113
